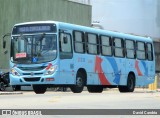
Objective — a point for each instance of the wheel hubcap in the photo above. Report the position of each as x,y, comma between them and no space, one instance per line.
79,82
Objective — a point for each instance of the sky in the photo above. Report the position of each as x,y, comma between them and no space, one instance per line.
139,17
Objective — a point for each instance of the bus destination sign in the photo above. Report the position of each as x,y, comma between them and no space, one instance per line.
34,28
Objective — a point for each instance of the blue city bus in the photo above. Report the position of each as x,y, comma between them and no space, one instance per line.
51,54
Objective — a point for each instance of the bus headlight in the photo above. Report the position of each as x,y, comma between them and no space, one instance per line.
51,70
14,72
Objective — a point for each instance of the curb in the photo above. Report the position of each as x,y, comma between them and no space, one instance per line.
10,93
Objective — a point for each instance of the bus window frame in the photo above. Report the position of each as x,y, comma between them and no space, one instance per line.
60,48
110,44
97,43
122,43
140,50
134,42
83,41
150,52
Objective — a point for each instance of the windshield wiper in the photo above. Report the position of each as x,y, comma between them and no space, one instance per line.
40,40
42,36
23,37
22,61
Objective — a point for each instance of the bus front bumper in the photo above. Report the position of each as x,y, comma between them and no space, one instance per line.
30,80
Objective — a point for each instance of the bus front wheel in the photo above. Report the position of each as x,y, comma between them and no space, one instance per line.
78,88
130,84
2,86
95,89
39,89
16,87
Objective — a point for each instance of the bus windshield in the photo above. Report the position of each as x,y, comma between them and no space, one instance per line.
33,48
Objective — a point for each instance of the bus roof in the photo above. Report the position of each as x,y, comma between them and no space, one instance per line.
90,30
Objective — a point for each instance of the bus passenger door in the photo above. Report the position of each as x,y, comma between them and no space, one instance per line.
66,59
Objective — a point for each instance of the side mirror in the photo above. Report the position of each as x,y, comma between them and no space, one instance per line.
65,40
4,44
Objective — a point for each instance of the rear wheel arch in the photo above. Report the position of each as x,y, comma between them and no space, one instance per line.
130,84
81,79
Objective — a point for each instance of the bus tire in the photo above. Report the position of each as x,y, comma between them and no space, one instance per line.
2,86
130,84
16,87
95,89
122,89
78,88
39,89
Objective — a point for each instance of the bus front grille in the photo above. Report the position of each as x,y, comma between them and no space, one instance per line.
32,79
31,73
39,68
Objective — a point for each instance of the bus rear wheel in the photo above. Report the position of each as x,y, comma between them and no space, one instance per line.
39,89
130,84
78,88
95,89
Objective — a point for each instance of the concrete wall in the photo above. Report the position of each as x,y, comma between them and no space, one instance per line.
15,11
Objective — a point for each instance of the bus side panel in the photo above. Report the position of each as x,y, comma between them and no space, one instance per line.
120,74
141,72
102,70
104,67
130,67
66,71
113,70
106,71
87,62
150,72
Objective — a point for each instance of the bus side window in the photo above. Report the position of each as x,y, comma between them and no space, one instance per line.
106,45
65,46
79,42
130,49
118,47
149,51
92,44
141,53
